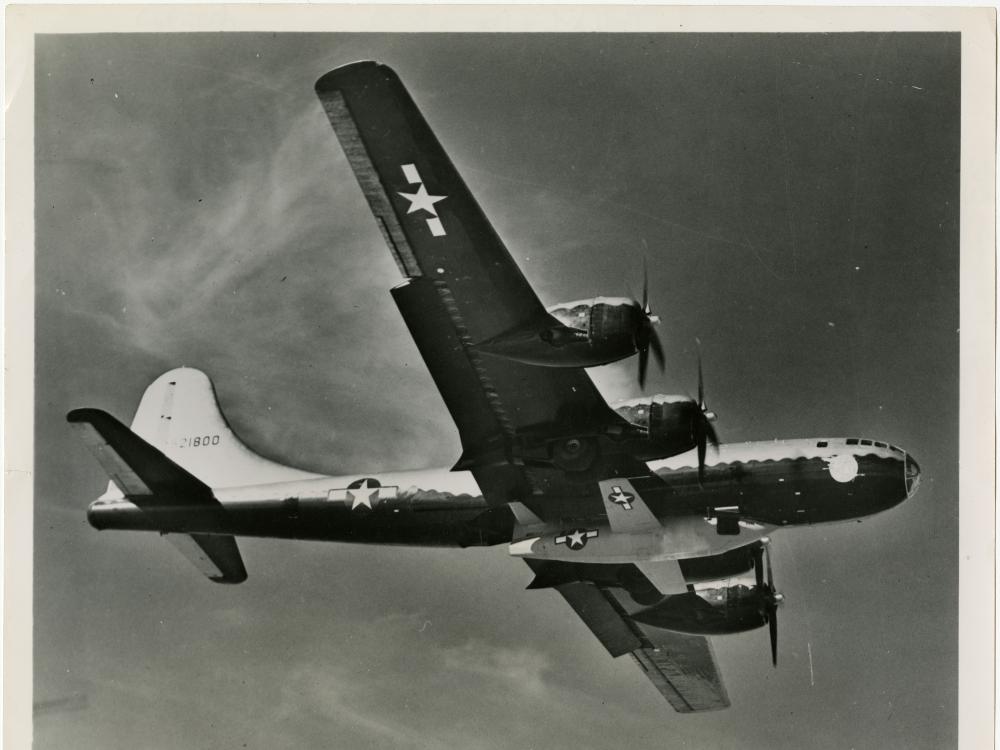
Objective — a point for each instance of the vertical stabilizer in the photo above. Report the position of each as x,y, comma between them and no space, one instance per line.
179,414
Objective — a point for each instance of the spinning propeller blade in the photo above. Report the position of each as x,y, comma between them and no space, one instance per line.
770,599
645,334
704,431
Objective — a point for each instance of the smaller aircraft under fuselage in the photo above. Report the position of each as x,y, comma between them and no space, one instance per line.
652,540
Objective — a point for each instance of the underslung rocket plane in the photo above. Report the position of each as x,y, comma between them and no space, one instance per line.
618,508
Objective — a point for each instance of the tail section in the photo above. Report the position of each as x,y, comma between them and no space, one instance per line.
179,414
179,449
158,487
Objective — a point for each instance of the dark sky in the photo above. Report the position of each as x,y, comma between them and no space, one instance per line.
796,198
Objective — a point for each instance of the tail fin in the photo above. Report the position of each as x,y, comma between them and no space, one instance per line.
179,414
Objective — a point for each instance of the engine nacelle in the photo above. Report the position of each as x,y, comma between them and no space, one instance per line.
670,424
584,333
729,606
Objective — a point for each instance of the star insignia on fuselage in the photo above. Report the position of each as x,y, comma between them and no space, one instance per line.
363,494
577,538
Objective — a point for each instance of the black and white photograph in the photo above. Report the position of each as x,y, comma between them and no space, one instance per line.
499,390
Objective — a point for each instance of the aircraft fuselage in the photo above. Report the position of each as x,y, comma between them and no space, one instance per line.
761,486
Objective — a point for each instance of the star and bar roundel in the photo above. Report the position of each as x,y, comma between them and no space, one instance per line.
363,494
621,498
421,200
577,538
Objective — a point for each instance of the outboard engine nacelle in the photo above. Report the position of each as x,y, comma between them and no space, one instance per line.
729,606
583,333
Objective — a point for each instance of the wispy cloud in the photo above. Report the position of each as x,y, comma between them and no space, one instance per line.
521,669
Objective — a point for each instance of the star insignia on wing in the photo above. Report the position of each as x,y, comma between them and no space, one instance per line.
422,200
624,499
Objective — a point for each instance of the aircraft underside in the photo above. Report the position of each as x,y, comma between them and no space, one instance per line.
651,530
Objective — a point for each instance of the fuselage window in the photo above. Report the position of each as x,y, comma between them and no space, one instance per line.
821,444
866,442
852,441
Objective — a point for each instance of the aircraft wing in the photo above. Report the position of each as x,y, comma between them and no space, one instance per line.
462,288
681,667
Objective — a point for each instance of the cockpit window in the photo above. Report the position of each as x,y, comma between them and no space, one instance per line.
866,442
852,441
880,445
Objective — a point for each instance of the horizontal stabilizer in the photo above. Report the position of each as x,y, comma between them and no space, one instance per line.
151,481
217,557
138,469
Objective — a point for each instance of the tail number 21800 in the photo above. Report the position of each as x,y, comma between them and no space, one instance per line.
198,441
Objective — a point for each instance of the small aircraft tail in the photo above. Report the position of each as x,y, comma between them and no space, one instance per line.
179,448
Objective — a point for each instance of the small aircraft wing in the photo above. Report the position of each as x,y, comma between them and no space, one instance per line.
462,288
682,667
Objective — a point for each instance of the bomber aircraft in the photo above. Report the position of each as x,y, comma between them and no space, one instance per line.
615,507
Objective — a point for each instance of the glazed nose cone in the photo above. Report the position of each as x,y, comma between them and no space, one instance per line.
912,473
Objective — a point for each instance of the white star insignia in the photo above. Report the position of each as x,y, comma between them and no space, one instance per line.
422,200
576,539
623,499
363,495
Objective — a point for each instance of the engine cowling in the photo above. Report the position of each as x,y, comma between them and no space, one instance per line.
727,606
583,333
668,424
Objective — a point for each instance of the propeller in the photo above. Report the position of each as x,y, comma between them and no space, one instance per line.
770,598
704,432
645,335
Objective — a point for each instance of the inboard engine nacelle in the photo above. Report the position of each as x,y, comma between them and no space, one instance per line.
671,424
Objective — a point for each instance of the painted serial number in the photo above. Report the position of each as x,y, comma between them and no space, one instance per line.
198,441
